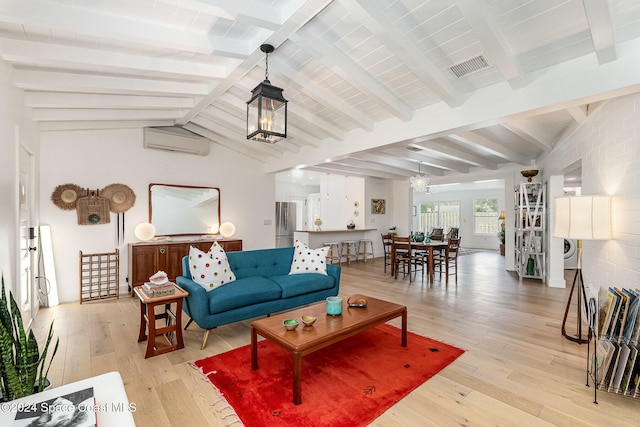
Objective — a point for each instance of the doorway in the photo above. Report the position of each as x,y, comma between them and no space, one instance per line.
24,294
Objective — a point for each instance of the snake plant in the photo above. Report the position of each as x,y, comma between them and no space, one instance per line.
21,364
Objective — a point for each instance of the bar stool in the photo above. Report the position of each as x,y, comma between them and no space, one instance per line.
334,252
351,251
365,247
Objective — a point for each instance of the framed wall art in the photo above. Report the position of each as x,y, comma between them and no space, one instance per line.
378,206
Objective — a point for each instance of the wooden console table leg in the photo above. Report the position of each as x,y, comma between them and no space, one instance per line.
297,378
143,322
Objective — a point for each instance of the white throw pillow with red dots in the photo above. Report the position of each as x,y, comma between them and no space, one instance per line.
307,260
210,269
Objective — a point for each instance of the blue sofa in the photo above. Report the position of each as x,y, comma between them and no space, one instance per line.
263,286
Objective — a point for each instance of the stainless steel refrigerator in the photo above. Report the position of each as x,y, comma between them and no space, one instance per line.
285,224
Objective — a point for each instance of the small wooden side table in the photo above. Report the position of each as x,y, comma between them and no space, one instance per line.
148,317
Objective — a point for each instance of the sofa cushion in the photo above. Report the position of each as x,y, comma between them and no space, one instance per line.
210,269
299,284
243,292
307,260
261,262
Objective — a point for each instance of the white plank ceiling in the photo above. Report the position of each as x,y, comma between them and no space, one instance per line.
375,87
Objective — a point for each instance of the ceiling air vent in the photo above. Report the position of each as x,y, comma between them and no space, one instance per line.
470,66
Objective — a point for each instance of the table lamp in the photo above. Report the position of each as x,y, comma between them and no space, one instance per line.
581,218
145,231
227,229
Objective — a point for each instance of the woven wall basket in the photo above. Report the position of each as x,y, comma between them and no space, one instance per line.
93,210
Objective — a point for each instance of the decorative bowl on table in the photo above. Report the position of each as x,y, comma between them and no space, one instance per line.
290,324
308,320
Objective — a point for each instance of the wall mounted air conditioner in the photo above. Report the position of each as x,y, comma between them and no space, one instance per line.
175,139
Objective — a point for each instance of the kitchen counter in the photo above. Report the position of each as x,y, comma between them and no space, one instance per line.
317,239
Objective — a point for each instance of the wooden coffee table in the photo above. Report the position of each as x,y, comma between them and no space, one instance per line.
325,331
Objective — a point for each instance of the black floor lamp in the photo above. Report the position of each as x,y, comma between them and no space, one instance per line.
581,218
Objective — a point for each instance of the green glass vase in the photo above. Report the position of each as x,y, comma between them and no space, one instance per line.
531,267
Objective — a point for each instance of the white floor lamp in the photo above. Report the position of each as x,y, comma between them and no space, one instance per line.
581,218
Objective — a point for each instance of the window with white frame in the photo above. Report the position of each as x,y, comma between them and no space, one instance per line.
439,214
485,216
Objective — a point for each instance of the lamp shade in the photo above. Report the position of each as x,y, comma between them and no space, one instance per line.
145,231
227,229
502,215
583,217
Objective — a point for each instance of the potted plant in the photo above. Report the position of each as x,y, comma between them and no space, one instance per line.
21,364
501,236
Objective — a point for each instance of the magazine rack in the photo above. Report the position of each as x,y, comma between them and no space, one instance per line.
613,365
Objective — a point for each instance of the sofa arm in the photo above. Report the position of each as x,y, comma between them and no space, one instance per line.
197,301
334,271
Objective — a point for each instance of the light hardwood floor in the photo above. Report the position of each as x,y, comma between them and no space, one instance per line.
517,369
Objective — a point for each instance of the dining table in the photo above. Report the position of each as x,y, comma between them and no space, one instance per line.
430,247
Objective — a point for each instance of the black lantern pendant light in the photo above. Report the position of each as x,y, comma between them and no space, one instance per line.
267,109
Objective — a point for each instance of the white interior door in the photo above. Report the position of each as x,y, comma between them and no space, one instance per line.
24,295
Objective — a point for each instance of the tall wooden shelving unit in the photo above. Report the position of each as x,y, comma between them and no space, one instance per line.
530,227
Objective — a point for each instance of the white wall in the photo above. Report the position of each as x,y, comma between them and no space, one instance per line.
338,211
286,190
95,159
608,144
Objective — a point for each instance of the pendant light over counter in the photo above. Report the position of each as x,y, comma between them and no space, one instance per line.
267,108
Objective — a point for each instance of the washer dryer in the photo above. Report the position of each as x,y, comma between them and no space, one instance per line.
570,254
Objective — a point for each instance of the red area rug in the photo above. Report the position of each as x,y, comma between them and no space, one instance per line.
349,383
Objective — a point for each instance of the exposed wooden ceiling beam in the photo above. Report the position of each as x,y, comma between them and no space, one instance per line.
304,14
490,146
78,82
52,55
486,28
69,19
599,17
376,20
92,100
353,73
445,146
529,133
100,125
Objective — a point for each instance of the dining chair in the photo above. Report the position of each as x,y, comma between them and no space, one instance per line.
405,256
449,260
452,233
387,242
437,233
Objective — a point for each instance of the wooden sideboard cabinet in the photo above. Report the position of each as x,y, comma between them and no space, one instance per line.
147,258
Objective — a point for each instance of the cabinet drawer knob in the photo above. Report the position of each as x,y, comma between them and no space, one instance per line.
162,250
